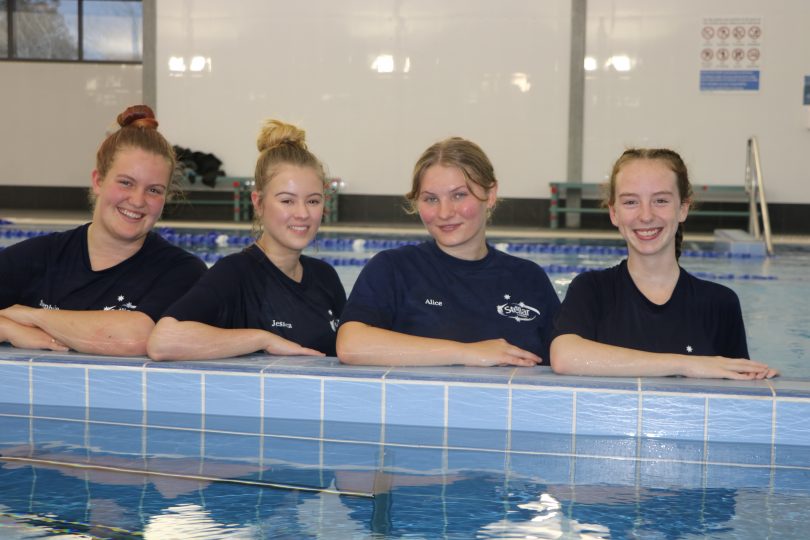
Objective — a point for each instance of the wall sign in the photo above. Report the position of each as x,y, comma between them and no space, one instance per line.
730,52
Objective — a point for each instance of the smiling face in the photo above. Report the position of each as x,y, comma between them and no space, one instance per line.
130,197
647,208
290,208
454,211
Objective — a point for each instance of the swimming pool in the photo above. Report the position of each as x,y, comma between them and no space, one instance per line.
426,453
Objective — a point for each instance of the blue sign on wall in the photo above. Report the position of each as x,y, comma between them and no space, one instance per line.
729,80
807,89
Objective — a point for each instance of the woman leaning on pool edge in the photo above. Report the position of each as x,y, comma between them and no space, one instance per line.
100,287
269,297
453,299
647,316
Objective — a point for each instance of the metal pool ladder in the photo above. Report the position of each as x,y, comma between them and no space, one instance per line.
756,190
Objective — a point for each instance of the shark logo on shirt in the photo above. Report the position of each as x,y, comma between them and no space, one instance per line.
517,310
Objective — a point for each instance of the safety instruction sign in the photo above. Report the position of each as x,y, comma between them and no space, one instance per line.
730,54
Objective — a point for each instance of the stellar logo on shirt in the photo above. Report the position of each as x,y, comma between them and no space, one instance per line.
281,323
517,310
43,305
333,322
121,305
432,302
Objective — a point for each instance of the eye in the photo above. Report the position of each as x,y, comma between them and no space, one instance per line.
286,201
125,182
430,199
458,195
157,190
629,203
661,201
314,202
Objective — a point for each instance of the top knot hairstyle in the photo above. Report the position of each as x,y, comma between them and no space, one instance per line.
282,144
453,152
673,161
138,129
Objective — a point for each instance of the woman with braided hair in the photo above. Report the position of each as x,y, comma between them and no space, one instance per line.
648,316
100,288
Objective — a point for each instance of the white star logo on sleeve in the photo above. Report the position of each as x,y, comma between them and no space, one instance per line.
688,348
121,298
507,297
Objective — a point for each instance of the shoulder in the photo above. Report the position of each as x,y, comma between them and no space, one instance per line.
317,266
711,291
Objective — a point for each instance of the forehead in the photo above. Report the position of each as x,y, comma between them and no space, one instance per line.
645,175
139,163
441,177
295,179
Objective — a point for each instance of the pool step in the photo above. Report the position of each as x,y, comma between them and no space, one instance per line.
737,241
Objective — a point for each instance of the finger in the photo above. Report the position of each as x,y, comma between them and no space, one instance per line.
517,352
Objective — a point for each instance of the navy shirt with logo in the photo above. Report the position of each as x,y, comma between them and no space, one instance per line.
246,290
422,291
700,318
54,272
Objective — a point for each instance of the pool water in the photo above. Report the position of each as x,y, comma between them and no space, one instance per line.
397,491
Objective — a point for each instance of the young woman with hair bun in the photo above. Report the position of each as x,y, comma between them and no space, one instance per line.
454,299
100,288
648,316
268,297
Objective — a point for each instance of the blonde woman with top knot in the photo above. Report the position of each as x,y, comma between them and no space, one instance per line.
268,297
100,287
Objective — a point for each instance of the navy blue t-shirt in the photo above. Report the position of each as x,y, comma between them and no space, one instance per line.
701,318
422,291
54,272
246,290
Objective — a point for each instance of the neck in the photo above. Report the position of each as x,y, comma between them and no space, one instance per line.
106,251
654,270
288,261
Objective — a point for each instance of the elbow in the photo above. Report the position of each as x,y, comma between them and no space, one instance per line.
159,345
558,357
347,345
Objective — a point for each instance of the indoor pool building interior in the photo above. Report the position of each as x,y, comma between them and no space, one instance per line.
264,446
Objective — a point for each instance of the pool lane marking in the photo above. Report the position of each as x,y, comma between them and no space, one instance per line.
199,478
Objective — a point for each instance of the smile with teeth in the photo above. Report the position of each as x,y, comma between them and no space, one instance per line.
449,228
646,234
298,228
130,213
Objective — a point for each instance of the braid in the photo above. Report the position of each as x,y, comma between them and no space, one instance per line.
678,241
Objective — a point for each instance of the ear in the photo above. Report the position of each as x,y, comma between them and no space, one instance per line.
492,197
96,182
256,199
683,211
612,212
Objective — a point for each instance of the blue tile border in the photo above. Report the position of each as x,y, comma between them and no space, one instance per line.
536,404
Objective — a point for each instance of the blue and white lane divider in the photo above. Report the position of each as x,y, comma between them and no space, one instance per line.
214,240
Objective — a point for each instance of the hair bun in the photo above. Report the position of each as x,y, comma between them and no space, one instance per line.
276,133
139,116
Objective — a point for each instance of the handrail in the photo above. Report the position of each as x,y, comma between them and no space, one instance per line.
753,168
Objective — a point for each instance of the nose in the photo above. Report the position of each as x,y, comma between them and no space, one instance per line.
138,197
301,211
645,211
446,209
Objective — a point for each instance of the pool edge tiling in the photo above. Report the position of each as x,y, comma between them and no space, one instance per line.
497,409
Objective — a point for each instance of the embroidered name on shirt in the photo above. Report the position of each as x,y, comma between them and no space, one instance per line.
517,310
43,305
281,323
432,302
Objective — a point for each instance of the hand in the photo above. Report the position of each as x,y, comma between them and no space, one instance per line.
284,347
498,352
26,337
720,367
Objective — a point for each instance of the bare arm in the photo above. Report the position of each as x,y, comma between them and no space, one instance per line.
27,337
574,355
117,333
190,340
359,343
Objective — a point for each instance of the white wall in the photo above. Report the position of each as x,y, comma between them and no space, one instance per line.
659,103
310,63
54,116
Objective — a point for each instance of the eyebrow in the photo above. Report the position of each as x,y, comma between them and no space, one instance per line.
656,194
290,194
463,186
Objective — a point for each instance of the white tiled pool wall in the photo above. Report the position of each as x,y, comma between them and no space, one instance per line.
322,414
